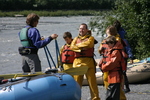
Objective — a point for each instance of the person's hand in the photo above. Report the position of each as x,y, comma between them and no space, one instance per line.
42,38
101,50
54,36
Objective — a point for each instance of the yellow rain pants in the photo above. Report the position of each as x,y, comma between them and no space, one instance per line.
90,75
86,61
105,78
67,66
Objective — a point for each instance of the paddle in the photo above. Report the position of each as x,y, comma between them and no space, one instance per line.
8,76
47,51
76,71
47,57
72,71
58,56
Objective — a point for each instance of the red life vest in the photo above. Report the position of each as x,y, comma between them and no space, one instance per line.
89,52
107,56
122,62
67,55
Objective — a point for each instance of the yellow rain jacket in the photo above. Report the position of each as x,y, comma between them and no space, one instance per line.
86,61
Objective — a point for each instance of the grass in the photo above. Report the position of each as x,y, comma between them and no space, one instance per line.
51,13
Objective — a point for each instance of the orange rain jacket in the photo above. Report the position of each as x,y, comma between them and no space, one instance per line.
112,64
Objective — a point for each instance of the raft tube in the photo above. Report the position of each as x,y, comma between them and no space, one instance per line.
56,86
137,72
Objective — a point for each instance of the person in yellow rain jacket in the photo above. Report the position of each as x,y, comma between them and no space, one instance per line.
110,31
67,55
83,45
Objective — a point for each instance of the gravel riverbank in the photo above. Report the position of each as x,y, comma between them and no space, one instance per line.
138,92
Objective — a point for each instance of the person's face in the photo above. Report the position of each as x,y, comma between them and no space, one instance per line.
82,30
110,45
35,23
107,32
68,40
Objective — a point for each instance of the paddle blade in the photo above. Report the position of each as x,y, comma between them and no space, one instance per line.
77,70
8,76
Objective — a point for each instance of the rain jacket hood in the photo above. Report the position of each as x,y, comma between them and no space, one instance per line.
85,36
118,45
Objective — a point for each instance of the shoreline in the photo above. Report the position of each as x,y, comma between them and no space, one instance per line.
57,13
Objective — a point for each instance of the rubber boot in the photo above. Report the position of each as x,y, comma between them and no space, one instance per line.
126,83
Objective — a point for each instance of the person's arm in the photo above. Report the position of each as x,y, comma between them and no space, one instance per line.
114,61
87,44
73,45
36,38
129,51
83,45
101,49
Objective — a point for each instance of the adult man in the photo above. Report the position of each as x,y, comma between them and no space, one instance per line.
83,45
31,41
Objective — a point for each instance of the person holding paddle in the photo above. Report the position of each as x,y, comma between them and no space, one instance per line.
83,46
31,41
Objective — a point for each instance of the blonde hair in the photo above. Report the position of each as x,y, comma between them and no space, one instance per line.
110,39
112,30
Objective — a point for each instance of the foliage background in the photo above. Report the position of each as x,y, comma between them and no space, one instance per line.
55,4
134,16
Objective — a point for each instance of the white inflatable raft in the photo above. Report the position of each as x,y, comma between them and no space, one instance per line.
137,72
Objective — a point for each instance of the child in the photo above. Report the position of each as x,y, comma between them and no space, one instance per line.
110,31
111,64
67,55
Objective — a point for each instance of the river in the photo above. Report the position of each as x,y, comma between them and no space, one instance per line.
10,60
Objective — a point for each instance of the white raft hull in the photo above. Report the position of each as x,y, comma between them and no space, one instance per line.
136,72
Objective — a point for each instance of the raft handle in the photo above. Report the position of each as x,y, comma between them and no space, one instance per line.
63,84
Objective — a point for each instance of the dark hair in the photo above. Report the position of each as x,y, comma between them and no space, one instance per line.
110,39
85,25
112,30
31,19
117,24
67,34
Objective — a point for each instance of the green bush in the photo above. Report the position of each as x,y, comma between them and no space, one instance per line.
49,13
135,18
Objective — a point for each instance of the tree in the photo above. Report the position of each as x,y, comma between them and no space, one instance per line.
135,18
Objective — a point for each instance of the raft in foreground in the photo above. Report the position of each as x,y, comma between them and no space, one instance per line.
54,86
137,72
